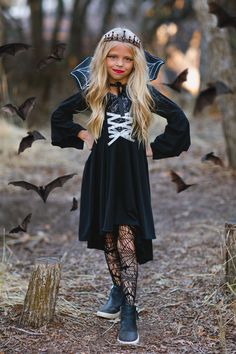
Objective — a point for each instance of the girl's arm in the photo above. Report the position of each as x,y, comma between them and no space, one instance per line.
64,132
176,137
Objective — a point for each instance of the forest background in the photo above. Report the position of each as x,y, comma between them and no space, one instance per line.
189,266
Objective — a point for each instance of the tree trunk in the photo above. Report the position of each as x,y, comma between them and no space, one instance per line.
40,300
220,60
36,21
3,82
230,252
78,29
48,80
107,16
57,25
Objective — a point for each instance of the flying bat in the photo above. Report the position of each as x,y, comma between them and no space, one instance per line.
211,157
223,18
56,55
180,184
207,96
28,140
13,48
23,226
43,191
74,204
23,110
177,83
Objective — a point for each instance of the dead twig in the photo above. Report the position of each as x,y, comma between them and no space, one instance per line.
28,332
113,324
172,305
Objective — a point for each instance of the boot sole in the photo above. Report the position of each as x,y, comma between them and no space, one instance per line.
108,316
134,342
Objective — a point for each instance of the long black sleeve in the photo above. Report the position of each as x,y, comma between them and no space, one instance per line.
176,137
63,129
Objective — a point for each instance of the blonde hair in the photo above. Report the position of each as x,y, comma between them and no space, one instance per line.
137,89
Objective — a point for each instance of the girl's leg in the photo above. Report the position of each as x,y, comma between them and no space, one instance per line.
128,333
111,309
112,258
128,260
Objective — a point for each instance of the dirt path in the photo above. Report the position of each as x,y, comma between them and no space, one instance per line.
181,298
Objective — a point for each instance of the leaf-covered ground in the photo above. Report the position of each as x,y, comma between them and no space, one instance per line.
184,305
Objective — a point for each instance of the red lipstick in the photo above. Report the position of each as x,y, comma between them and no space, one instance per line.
118,71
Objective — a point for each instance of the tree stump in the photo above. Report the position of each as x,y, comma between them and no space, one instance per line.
230,252
41,296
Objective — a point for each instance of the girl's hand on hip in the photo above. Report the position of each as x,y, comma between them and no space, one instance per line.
87,138
149,151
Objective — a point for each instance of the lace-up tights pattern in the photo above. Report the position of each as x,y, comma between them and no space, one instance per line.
121,260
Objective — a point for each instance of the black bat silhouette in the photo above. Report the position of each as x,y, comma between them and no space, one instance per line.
13,48
211,157
23,226
223,18
28,140
207,96
43,191
23,110
74,204
56,55
180,184
177,83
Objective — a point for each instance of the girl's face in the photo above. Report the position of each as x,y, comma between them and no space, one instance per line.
119,63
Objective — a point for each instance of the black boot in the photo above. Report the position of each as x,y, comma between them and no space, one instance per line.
128,328
111,309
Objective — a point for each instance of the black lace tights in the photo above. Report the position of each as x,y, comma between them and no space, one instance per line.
121,260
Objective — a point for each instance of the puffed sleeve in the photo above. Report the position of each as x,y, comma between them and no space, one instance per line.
176,136
63,129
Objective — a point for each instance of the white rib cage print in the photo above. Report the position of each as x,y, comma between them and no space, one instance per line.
121,128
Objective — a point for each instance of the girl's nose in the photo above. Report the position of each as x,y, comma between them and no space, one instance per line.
119,62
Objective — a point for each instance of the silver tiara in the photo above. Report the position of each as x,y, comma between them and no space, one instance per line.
122,38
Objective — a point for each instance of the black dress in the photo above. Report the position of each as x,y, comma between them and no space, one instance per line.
115,186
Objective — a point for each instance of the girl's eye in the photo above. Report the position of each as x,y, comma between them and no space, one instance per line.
115,57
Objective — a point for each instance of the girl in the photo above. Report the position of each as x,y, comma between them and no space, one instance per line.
115,206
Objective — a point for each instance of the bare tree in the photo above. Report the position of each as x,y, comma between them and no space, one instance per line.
47,84
221,65
109,4
3,82
59,16
36,22
78,28
157,12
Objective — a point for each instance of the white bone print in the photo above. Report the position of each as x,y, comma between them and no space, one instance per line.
123,128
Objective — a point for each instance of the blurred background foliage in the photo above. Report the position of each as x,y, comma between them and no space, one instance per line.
182,32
